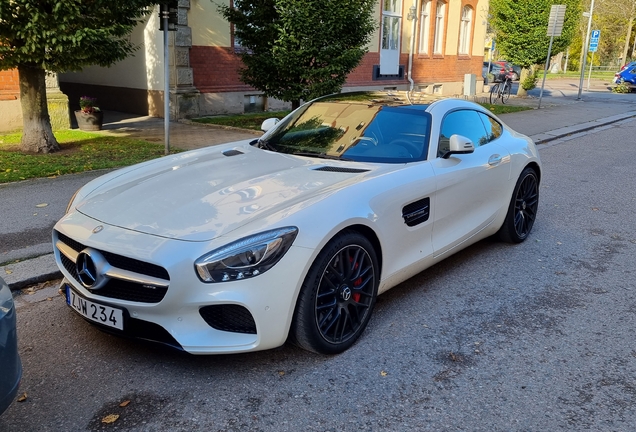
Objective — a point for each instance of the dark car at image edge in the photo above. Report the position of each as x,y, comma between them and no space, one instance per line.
10,364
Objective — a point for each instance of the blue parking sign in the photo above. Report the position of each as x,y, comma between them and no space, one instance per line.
595,36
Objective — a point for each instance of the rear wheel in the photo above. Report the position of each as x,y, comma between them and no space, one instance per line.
494,93
522,210
337,298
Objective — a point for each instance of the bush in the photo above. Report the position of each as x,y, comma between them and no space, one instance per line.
530,81
621,88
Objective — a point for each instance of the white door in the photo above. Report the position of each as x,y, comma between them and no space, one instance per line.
391,30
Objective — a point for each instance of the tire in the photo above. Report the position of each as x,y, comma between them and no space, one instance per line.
506,93
336,301
522,210
494,93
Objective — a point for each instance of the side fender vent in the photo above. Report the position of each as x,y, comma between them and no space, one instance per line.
341,169
232,153
417,212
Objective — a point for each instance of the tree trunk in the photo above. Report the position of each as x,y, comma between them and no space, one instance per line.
524,74
295,104
629,35
37,136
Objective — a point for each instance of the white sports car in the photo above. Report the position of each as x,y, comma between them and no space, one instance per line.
241,246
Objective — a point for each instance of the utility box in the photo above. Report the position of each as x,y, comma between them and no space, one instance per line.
470,84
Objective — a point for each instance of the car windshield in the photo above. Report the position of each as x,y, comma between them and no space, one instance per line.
363,126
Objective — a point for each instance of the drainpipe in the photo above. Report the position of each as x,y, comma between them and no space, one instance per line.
412,16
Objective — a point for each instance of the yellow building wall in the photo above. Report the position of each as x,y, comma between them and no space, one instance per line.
208,26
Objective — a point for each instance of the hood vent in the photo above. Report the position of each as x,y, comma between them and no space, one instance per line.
341,170
232,153
417,212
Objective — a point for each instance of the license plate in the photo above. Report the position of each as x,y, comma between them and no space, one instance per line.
102,314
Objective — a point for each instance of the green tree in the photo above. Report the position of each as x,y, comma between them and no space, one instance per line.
521,28
60,35
300,49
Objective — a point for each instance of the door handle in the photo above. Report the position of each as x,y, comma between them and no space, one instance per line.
494,160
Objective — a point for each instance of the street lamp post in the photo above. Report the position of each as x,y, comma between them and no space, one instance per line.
585,48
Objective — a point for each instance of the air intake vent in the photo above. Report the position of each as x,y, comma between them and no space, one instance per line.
229,318
341,170
232,152
417,212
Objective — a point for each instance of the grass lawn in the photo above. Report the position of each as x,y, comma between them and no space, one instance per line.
244,121
81,151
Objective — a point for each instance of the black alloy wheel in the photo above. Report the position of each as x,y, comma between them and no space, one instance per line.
522,210
337,298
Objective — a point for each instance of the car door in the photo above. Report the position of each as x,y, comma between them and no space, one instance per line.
469,186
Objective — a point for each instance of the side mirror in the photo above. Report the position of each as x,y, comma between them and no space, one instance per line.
269,123
459,144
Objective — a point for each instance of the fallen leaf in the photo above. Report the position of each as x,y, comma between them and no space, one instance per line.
111,418
594,208
23,397
7,271
281,373
384,373
124,403
41,205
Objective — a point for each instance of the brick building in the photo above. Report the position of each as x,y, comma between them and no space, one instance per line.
431,53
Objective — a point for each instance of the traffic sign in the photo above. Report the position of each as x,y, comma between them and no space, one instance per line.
594,37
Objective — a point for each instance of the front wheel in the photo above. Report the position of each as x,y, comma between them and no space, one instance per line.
494,93
522,210
506,93
337,298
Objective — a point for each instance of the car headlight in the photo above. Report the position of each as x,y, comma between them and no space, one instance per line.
247,257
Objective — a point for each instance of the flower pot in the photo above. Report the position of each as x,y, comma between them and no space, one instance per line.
89,121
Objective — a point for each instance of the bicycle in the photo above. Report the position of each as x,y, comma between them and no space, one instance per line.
501,89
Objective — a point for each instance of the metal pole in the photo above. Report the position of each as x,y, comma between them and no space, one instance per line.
166,84
585,48
589,76
547,60
545,71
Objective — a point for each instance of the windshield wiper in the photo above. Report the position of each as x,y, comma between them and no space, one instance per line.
321,156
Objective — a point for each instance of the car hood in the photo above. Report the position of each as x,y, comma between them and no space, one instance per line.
201,195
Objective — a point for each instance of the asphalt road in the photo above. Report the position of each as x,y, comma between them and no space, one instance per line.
35,206
531,337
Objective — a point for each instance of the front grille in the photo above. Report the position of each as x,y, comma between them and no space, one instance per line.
117,288
230,318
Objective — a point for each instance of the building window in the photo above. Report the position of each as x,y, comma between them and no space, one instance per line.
440,12
464,30
391,15
425,27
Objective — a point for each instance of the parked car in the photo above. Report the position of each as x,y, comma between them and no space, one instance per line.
241,246
10,365
627,75
497,69
516,72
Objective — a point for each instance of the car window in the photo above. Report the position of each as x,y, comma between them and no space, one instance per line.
359,126
493,128
462,122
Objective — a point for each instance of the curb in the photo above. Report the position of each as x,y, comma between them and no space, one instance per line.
30,271
545,137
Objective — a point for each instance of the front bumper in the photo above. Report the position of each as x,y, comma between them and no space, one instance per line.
200,318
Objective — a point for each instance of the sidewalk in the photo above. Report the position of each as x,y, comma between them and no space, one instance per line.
558,117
